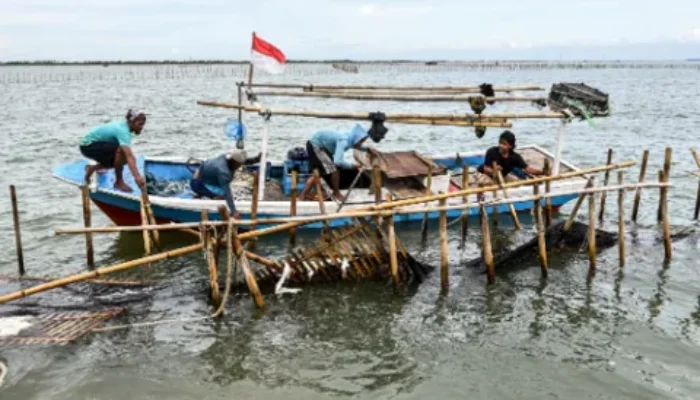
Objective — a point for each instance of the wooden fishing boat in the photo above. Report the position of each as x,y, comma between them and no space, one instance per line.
181,206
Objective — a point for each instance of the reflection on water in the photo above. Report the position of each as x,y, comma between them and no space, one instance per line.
626,332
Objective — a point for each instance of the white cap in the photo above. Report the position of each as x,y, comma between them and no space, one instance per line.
237,156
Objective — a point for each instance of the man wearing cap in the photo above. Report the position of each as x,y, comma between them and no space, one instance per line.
506,161
214,176
110,146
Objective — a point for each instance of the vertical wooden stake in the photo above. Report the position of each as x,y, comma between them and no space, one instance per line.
240,101
638,191
548,201
603,196
321,201
621,218
393,257
428,191
663,206
591,234
254,207
154,234
87,222
579,202
210,246
444,251
667,174
486,245
18,235
293,208
146,235
377,184
541,242
696,156
465,200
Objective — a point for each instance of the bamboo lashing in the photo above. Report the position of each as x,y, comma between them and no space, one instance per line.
621,218
511,207
577,206
667,173
87,222
293,207
541,241
591,234
385,97
696,156
18,234
603,197
472,89
395,117
638,194
378,209
665,223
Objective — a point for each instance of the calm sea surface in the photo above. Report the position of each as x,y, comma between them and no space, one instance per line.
631,333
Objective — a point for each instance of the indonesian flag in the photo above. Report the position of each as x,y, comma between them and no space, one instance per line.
266,56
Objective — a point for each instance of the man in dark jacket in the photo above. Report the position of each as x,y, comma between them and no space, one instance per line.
214,176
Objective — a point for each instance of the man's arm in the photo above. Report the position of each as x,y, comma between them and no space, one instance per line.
338,157
131,162
224,184
489,160
533,170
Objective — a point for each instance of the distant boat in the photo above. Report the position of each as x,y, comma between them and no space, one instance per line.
431,63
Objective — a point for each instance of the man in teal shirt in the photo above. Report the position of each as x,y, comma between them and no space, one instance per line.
110,146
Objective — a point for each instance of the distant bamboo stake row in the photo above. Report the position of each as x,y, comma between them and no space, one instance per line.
384,97
465,89
363,213
390,117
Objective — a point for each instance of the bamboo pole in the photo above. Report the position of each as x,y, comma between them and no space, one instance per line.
254,207
240,101
486,245
638,194
395,117
250,280
606,180
513,213
577,206
541,242
146,235
547,190
473,89
393,256
444,250
621,218
428,192
99,272
321,201
663,206
380,209
696,156
494,210
591,234
394,92
87,222
667,174
465,200
293,208
385,97
440,122
18,234
209,246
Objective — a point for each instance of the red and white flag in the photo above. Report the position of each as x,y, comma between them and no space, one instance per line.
266,56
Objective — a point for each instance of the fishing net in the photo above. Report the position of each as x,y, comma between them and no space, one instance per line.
241,187
579,100
557,240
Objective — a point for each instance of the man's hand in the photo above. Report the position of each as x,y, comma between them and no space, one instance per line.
140,182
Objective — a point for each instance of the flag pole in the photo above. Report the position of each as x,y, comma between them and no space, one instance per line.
250,66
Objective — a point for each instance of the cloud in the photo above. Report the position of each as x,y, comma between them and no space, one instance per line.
692,35
407,10
4,43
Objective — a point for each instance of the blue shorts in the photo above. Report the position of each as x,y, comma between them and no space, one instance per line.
198,186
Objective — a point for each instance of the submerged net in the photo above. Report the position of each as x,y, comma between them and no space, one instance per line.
578,99
556,238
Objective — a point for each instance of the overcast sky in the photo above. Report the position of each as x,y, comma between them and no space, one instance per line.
221,29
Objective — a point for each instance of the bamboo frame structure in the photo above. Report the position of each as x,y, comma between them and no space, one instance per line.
388,97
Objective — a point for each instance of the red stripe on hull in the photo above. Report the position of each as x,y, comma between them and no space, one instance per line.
122,217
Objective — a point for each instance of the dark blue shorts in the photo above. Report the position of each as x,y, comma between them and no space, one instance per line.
102,152
197,186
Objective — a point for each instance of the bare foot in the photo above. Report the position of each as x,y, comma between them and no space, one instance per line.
89,169
123,187
339,196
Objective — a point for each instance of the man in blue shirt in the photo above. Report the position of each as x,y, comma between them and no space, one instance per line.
326,151
214,176
110,146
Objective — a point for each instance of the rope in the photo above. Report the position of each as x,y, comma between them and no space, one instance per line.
216,314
